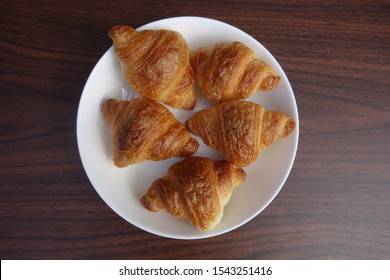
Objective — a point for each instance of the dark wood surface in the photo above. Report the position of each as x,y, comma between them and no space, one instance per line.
336,201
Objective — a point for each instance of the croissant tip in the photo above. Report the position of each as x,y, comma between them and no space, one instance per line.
108,109
275,81
270,81
288,128
189,148
119,31
189,106
151,200
239,175
120,163
188,125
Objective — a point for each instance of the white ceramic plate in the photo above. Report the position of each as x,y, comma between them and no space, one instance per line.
122,188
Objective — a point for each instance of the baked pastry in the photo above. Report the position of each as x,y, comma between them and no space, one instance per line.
231,71
143,129
239,129
196,189
156,64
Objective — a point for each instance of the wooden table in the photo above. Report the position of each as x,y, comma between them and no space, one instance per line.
336,201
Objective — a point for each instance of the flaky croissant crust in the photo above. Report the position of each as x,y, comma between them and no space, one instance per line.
196,189
156,64
239,129
231,71
143,129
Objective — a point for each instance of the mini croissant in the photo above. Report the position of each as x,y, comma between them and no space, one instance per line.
143,129
156,64
196,189
239,129
231,71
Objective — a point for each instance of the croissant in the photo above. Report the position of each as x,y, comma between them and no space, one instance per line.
143,129
196,189
156,64
231,71
239,129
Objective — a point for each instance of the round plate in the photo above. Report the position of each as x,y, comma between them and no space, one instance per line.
122,188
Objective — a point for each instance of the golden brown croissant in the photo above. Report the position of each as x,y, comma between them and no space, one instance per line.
196,189
143,129
156,64
239,129
231,71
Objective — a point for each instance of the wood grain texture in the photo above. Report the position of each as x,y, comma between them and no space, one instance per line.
335,203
